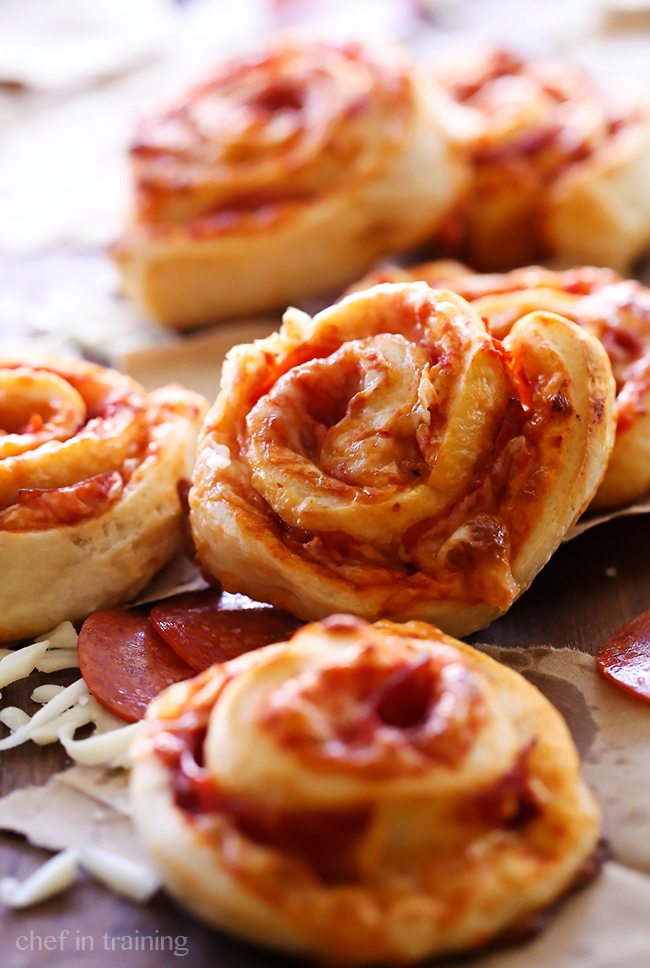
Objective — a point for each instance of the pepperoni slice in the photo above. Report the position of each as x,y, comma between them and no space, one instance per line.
625,657
208,627
125,662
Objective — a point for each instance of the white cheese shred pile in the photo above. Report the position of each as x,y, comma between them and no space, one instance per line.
64,709
119,874
58,874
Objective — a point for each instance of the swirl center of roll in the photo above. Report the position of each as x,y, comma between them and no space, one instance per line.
36,407
349,706
383,718
522,109
387,430
68,438
355,414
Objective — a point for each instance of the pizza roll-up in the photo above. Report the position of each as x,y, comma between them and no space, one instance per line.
89,468
285,175
560,168
615,310
389,458
366,794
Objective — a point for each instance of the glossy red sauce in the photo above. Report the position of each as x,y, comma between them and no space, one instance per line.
509,802
41,508
405,698
381,720
489,535
621,344
104,397
322,839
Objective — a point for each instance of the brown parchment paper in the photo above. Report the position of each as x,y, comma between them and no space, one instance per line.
179,576
591,521
612,732
605,925
73,809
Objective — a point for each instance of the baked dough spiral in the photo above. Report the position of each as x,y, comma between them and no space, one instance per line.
389,458
560,170
614,309
365,794
89,468
283,176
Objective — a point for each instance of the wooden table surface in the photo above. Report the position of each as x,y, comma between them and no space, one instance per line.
577,601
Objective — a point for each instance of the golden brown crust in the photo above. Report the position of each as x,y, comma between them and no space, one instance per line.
283,176
89,468
615,310
369,794
390,458
559,167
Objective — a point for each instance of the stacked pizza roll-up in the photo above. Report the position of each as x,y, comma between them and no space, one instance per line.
369,794
559,164
89,469
284,175
389,457
615,310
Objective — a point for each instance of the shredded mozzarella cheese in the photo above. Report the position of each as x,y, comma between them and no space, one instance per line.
119,874
76,717
123,876
57,660
54,876
48,691
104,720
46,714
64,708
112,748
13,717
64,636
19,664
